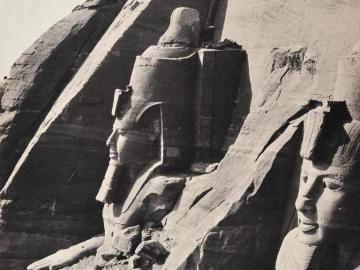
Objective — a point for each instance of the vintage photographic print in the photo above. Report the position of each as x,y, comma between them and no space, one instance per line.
180,134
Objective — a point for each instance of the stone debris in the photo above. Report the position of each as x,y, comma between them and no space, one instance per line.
137,261
221,45
127,240
107,253
152,250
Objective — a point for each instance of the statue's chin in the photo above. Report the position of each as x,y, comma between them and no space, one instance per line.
309,236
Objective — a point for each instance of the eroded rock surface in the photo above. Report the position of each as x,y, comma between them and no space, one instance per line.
40,74
234,212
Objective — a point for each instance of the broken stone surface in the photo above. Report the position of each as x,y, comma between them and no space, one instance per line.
154,201
40,74
265,25
106,253
128,239
213,205
152,250
116,264
137,261
148,230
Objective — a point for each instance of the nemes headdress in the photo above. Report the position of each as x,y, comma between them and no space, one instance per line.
332,132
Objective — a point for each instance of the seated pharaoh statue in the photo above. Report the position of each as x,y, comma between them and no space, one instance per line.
153,128
152,135
328,232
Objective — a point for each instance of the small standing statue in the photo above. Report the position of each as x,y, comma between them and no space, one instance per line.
328,232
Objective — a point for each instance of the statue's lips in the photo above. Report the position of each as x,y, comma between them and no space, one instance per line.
307,225
113,154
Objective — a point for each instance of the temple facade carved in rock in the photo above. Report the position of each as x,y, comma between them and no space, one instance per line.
186,135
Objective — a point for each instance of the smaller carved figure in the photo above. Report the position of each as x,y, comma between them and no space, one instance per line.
328,232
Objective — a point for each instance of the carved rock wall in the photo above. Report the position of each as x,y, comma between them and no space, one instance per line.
328,29
40,74
234,214
293,49
48,201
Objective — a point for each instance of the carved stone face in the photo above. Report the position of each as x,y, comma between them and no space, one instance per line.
327,203
134,145
154,113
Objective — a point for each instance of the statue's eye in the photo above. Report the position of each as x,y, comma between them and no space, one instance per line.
332,184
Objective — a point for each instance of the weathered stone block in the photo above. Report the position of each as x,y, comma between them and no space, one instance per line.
127,240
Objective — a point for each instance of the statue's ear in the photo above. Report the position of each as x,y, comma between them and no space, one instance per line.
151,111
150,118
121,101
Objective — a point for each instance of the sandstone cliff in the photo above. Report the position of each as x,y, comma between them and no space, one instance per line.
40,74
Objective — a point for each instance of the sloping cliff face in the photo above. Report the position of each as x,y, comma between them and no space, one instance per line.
293,51
40,74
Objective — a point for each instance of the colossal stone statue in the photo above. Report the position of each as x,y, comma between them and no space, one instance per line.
327,236
164,119
153,114
153,130
153,127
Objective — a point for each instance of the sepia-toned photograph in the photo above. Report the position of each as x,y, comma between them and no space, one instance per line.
180,135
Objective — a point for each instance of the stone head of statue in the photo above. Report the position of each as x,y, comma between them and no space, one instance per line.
154,113
329,193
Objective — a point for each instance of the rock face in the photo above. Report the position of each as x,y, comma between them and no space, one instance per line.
328,29
37,78
233,217
237,214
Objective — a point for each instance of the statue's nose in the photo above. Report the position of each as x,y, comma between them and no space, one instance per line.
111,141
304,204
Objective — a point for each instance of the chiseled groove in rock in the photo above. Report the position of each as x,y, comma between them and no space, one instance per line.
199,197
